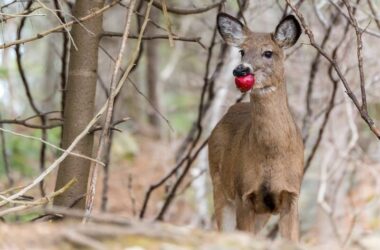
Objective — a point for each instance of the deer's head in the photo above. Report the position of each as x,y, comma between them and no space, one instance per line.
262,53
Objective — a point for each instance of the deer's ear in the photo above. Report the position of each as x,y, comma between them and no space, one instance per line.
287,32
231,29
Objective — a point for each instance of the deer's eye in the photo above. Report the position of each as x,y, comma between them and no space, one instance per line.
242,53
268,54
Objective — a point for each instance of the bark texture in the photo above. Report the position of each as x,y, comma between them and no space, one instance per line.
80,100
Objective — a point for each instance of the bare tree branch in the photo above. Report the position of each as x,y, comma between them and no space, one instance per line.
365,30
59,27
337,69
177,38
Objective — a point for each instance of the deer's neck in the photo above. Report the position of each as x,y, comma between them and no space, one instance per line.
272,123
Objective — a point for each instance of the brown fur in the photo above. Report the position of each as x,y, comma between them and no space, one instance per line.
256,150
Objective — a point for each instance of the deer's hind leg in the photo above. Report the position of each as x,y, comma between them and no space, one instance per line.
247,219
289,222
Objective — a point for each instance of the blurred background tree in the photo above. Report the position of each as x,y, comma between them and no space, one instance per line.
180,86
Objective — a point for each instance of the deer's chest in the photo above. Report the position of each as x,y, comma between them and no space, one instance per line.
277,169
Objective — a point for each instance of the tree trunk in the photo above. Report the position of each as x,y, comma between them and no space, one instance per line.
79,103
153,77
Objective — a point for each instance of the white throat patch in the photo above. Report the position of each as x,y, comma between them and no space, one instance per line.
264,90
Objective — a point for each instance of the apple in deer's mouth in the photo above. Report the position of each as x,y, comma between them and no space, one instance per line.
245,83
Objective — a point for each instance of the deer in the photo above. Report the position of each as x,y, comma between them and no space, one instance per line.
256,152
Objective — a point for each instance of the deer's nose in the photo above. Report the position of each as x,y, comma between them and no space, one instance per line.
241,70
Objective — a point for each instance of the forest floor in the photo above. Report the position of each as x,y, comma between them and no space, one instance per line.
129,181
106,232
134,236
119,229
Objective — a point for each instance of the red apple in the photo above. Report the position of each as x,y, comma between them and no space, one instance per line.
245,83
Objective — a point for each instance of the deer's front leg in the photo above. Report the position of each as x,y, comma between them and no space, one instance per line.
289,224
244,216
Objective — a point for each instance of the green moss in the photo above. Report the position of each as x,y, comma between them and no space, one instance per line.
21,218
23,153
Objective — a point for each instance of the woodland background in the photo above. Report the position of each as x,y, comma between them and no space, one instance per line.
165,94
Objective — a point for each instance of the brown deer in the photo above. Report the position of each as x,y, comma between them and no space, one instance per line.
256,149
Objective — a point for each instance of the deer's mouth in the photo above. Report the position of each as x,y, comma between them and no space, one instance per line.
263,86
258,90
